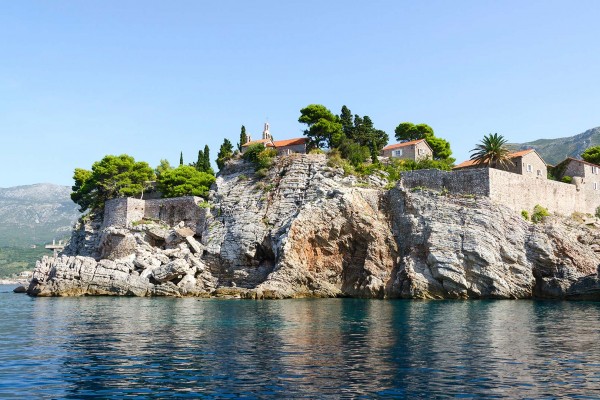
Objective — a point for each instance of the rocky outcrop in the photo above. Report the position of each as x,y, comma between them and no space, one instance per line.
306,230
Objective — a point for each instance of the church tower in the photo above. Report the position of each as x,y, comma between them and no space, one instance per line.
267,133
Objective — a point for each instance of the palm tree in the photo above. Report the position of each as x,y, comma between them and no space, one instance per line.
492,151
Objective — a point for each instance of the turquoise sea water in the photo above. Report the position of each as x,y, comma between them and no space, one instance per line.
101,347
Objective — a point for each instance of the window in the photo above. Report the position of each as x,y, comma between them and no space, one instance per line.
595,186
397,153
529,168
539,172
594,170
421,152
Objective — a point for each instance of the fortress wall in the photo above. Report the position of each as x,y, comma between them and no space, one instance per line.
518,192
474,181
123,211
524,193
172,211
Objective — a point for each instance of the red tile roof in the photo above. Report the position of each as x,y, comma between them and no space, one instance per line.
290,142
404,144
472,163
278,143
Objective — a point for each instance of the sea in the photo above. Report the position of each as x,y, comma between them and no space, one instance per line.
146,348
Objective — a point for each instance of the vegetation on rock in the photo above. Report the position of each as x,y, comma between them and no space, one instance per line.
592,154
185,180
226,152
111,177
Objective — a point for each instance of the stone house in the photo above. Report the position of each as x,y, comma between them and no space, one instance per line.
283,147
415,150
585,174
525,162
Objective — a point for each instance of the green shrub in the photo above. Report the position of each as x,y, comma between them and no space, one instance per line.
567,179
204,204
265,159
539,213
525,215
316,151
184,181
597,214
261,173
252,152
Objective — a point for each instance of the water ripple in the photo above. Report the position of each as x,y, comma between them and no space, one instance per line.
323,348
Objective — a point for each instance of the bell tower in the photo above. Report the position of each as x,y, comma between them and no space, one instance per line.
266,132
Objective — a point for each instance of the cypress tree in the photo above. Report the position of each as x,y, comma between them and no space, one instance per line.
200,162
181,158
243,138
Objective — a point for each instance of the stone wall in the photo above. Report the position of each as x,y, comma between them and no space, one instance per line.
122,212
472,181
515,191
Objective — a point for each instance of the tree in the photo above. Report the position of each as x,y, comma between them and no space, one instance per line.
206,167
323,127
347,122
408,131
243,138
492,151
162,167
592,154
225,153
185,180
181,158
111,177
365,134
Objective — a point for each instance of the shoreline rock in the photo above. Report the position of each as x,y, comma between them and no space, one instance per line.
305,230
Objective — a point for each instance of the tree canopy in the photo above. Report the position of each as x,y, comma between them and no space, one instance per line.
407,131
592,154
111,177
492,151
185,180
243,138
225,153
323,127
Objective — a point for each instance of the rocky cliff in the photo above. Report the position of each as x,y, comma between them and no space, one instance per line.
307,230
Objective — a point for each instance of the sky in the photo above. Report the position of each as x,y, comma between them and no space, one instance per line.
80,80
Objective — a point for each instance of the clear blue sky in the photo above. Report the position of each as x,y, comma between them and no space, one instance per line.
79,80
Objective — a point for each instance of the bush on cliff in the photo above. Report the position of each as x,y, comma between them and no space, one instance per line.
185,181
260,156
539,213
111,177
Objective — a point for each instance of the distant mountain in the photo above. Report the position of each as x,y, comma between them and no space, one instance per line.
555,150
35,214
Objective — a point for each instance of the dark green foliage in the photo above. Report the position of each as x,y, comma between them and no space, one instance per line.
181,158
592,155
567,179
225,153
354,152
492,151
347,121
243,138
206,167
525,215
185,180
111,177
408,131
324,128
253,151
260,156
597,214
365,134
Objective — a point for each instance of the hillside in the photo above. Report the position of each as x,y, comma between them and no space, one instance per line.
555,150
32,215
35,214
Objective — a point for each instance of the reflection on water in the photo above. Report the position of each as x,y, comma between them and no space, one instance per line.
116,347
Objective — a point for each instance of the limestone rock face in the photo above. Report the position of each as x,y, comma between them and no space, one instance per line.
306,230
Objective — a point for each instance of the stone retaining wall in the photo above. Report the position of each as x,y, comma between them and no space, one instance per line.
515,191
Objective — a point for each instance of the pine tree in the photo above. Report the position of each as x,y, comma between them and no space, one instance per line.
347,123
243,138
